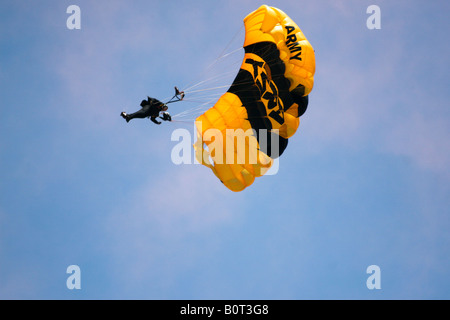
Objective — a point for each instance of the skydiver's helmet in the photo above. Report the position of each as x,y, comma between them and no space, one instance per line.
164,107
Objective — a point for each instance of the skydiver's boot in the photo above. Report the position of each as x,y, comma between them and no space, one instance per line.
125,116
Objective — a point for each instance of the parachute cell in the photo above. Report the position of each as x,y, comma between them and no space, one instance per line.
250,124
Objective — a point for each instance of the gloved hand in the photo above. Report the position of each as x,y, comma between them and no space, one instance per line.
166,116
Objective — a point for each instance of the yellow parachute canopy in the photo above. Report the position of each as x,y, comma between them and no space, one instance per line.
248,127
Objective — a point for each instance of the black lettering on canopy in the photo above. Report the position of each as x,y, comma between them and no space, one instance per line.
290,29
264,92
293,44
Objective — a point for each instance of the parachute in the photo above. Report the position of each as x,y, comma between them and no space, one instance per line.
249,126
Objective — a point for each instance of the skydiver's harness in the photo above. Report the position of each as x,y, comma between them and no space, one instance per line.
178,96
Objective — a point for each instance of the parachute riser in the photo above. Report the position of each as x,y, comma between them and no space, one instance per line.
178,96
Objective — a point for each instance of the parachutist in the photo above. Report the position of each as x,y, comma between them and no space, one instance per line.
150,108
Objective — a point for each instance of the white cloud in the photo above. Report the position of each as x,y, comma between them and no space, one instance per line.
425,140
168,224
188,199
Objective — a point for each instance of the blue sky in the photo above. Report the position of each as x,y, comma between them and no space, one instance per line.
365,181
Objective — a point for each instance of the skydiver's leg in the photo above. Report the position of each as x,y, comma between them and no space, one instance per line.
143,113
